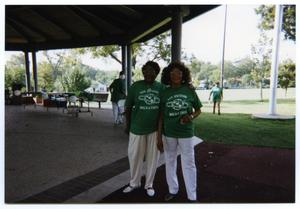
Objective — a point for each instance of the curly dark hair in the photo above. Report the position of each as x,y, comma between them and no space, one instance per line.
186,74
153,65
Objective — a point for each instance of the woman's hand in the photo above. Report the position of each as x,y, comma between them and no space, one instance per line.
160,145
126,130
186,119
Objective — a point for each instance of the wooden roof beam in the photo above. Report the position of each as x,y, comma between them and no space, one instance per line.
126,10
55,22
106,24
19,29
31,27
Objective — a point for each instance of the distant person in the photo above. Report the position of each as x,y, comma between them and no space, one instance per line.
43,90
180,105
142,113
217,93
117,90
44,93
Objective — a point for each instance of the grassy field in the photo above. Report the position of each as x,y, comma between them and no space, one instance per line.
235,125
241,129
284,106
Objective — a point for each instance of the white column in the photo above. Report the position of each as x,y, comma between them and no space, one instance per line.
275,52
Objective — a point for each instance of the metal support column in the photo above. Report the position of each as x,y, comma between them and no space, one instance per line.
27,70
223,49
176,36
124,65
34,71
129,65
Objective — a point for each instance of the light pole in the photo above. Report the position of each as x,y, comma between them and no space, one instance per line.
223,49
275,52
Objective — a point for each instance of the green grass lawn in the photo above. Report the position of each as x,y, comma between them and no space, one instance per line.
284,106
241,129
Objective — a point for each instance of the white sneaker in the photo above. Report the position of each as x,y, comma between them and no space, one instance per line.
129,189
150,192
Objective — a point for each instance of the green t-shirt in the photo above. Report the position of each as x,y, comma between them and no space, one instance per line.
144,99
117,90
217,93
175,103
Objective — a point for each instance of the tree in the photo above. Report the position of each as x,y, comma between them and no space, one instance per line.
159,47
14,76
15,71
16,61
247,80
286,76
261,55
74,80
55,59
267,14
231,71
138,75
106,77
244,66
45,76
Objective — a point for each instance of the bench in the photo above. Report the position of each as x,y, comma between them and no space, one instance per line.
100,97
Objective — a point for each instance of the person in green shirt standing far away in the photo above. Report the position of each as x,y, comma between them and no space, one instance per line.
180,105
142,114
117,90
217,93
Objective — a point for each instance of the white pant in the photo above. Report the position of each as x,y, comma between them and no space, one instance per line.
186,147
141,146
117,112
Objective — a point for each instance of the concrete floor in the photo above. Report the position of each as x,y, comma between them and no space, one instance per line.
46,148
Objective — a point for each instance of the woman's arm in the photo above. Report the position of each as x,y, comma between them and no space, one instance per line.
159,133
196,113
189,117
128,119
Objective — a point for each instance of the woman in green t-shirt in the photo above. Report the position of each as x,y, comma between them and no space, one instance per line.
179,106
142,113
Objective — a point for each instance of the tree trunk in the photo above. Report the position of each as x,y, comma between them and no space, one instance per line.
261,91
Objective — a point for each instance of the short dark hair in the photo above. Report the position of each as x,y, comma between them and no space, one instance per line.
186,74
121,73
153,65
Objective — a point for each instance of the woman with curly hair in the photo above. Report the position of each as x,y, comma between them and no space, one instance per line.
179,106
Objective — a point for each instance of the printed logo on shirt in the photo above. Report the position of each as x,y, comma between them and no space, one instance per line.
149,99
177,104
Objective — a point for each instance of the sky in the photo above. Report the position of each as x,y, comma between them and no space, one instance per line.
203,36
